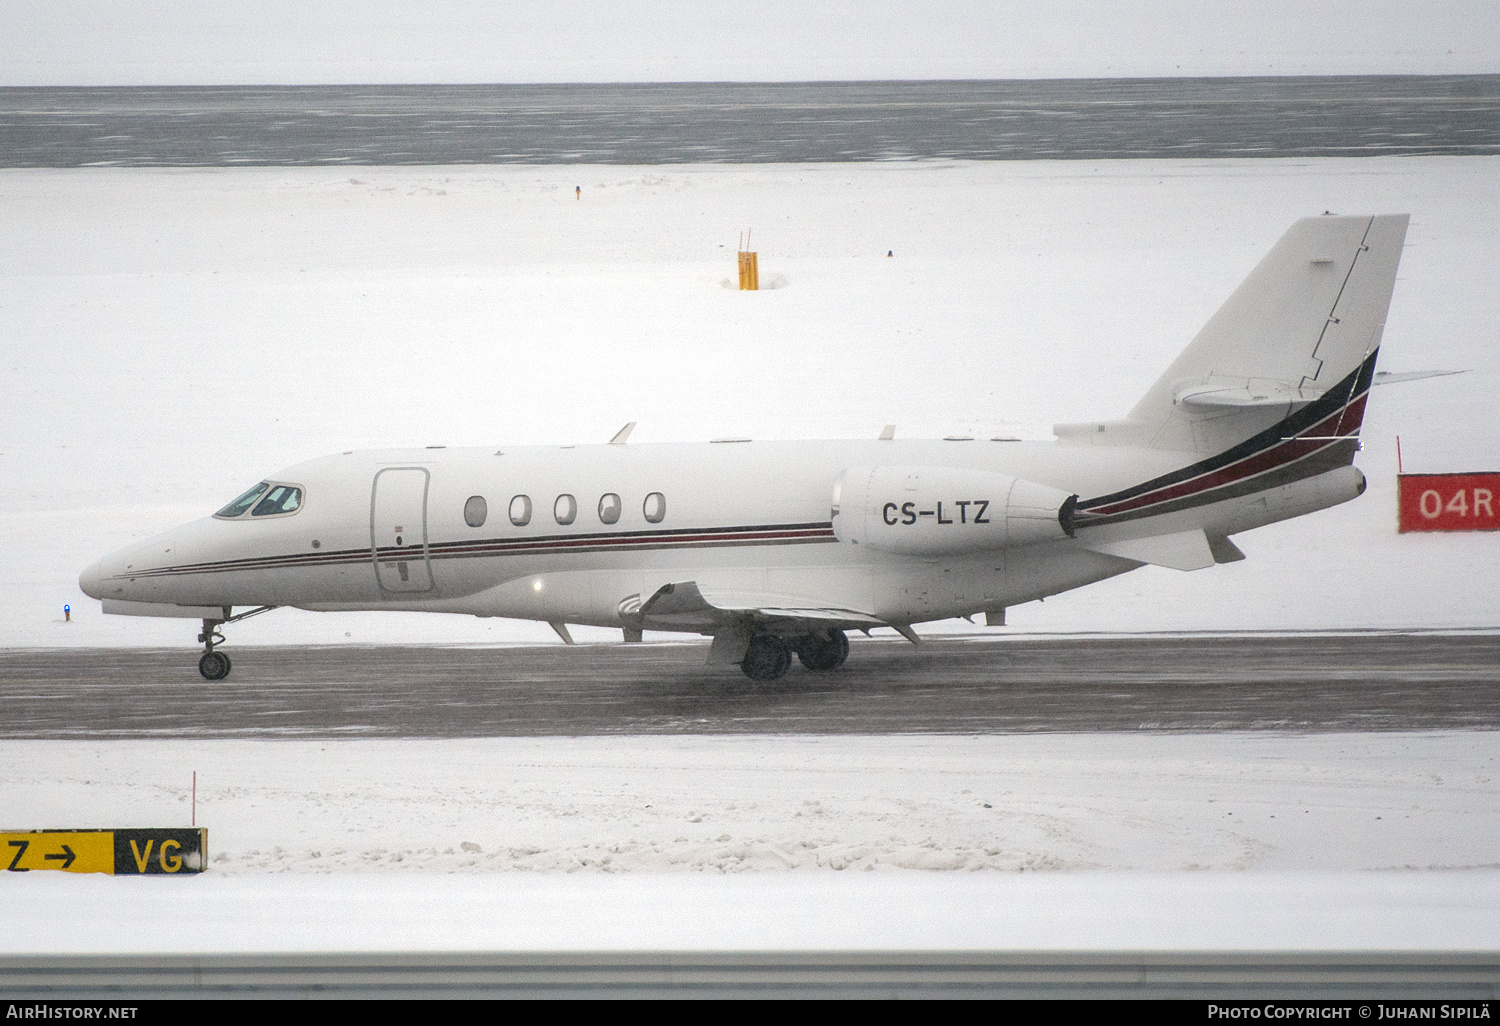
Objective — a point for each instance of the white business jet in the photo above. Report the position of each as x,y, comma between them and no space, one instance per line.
776,548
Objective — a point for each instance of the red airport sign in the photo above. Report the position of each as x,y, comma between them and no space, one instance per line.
1449,502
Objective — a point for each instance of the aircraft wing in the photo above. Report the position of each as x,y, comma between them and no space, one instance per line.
682,605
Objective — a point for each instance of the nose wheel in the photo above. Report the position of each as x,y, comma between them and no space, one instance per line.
215,665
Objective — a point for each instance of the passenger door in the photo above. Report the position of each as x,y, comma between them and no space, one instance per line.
398,530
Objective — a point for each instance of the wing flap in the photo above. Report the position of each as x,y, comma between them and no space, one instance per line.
683,605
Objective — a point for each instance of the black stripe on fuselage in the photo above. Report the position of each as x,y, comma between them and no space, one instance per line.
679,538
1299,463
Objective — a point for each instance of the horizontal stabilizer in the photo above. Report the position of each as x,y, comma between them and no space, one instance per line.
1394,378
1257,393
1184,550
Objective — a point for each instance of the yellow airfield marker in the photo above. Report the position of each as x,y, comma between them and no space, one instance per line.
749,266
749,272
134,852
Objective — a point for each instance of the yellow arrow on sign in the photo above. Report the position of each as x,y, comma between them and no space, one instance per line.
81,851
119,852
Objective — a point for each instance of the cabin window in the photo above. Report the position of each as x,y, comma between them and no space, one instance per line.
565,509
279,500
609,508
655,508
520,510
244,502
476,511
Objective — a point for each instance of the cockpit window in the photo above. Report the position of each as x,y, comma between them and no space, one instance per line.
244,502
280,499
268,499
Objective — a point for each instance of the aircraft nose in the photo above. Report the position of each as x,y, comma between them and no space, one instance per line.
89,579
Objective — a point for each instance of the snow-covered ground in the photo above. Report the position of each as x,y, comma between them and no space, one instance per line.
169,336
729,804
48,913
606,842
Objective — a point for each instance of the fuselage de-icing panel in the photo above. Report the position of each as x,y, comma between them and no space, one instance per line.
780,547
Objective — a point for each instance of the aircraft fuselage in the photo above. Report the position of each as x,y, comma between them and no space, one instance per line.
386,529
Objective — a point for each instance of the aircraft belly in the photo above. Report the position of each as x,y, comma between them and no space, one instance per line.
918,592
1043,570
594,596
895,591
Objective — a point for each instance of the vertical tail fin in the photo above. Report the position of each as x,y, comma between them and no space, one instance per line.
1310,315
1272,390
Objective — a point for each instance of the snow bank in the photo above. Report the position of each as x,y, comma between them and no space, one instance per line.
730,804
646,842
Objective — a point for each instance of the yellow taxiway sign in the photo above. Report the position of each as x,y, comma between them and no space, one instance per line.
118,852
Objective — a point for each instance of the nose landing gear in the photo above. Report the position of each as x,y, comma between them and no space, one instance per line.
215,665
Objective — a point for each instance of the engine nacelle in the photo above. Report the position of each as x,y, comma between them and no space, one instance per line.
944,511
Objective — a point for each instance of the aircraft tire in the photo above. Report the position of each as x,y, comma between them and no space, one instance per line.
767,659
214,665
821,653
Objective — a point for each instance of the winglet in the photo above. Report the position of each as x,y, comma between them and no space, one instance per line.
888,433
622,434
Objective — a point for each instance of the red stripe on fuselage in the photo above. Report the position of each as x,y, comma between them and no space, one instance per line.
653,541
1278,454
681,538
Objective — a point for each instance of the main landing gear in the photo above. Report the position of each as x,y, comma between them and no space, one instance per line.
769,656
215,665
823,652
